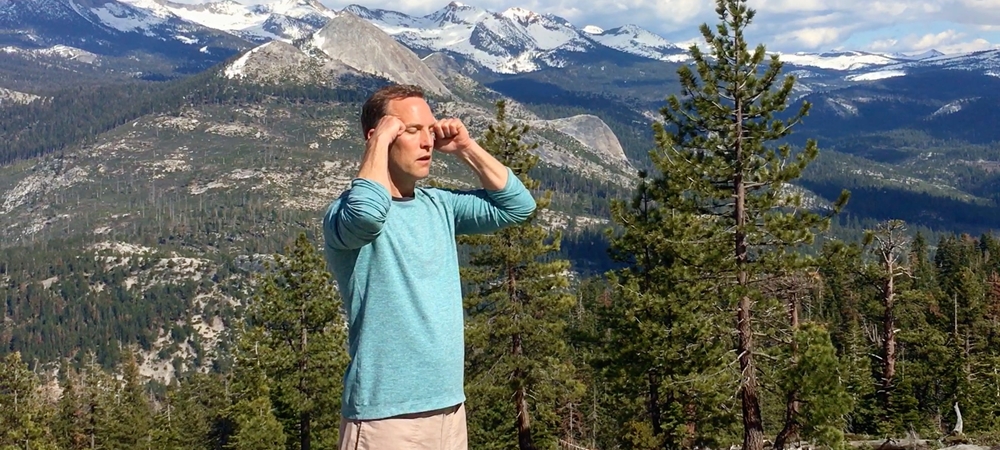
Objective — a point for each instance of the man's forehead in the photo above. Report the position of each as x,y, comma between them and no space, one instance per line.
415,104
412,111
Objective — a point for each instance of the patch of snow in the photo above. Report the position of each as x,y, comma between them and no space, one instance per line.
186,40
235,70
842,107
118,16
837,61
877,75
520,14
953,107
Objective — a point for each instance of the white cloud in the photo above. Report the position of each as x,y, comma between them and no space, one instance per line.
811,38
948,41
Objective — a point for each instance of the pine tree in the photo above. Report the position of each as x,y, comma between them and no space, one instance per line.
69,424
23,415
518,306
657,331
716,166
192,414
296,335
847,293
258,428
132,413
815,378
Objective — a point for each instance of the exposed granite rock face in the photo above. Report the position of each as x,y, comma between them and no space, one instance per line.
592,132
277,61
360,44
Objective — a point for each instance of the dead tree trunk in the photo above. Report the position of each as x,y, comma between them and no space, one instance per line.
304,417
891,242
523,420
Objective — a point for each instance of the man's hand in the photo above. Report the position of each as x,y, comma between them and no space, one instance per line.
451,136
386,131
375,161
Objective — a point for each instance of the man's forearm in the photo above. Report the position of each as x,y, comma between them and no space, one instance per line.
375,163
491,172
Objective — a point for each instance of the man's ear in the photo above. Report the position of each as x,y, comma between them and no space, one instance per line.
368,135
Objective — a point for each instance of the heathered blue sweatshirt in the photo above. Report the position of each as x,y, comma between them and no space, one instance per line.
396,265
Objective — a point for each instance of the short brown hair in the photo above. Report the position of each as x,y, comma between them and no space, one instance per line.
374,108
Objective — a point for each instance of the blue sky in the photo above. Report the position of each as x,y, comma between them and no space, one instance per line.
909,26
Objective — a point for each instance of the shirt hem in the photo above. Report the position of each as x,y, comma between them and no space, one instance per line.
374,412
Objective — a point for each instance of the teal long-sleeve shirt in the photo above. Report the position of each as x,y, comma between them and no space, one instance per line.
396,265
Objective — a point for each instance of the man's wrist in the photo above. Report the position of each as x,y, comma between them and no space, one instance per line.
491,172
379,142
469,153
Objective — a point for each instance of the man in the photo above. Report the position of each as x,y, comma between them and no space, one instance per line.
391,246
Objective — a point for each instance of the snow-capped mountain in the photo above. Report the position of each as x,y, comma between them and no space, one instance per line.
986,62
346,46
637,41
284,20
101,26
841,60
513,40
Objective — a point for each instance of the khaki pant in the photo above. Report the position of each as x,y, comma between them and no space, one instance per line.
442,429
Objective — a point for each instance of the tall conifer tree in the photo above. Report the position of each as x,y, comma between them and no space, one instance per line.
296,338
518,305
719,172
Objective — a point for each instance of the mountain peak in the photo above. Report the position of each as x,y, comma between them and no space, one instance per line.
277,62
358,43
519,14
455,13
358,10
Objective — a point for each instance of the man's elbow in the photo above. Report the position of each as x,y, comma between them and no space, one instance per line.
348,229
360,229
524,212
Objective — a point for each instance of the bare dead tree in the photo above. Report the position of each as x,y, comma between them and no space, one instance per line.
889,243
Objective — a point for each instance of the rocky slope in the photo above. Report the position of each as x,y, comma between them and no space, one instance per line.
278,62
9,97
363,46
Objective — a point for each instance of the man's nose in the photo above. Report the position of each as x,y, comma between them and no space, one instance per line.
427,138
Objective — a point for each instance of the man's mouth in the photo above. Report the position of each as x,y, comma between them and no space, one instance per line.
424,158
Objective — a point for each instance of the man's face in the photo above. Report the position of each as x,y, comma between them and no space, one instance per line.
410,154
